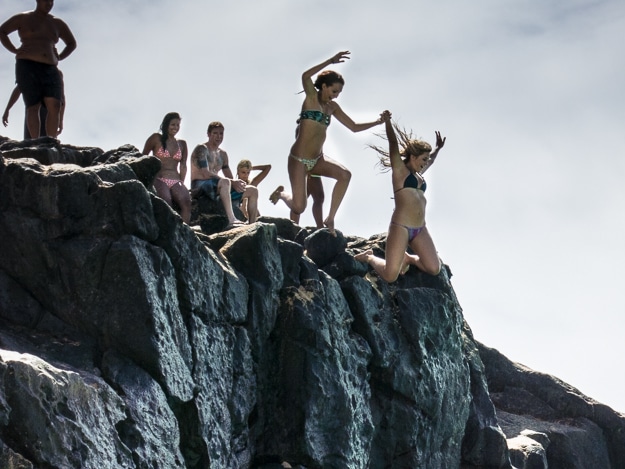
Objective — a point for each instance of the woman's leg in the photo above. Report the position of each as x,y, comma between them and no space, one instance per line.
180,195
426,258
53,106
297,176
390,267
315,189
332,169
162,190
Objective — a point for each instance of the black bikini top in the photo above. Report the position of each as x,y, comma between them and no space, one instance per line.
412,182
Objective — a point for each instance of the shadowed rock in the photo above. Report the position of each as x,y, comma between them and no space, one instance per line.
129,339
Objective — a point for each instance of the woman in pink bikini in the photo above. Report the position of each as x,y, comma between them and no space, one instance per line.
307,152
407,226
169,182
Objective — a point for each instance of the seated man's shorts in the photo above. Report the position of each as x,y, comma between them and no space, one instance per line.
37,80
207,187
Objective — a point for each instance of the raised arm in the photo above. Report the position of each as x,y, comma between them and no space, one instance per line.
440,143
264,170
393,144
309,87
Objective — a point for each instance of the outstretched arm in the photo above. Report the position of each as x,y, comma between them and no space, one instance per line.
349,122
309,87
440,143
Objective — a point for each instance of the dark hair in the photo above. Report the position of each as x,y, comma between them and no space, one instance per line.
329,78
170,116
214,125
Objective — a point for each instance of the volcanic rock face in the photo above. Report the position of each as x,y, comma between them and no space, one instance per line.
130,340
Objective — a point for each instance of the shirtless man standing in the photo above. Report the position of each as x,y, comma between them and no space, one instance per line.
36,72
207,160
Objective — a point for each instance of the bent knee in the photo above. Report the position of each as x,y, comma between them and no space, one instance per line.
433,269
345,175
298,208
389,278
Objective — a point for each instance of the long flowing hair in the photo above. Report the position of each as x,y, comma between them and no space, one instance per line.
408,145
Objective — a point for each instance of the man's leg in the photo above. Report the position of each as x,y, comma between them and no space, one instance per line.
224,192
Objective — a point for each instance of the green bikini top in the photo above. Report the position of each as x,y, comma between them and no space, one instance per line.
318,116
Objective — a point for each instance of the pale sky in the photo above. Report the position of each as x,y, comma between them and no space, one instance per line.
526,202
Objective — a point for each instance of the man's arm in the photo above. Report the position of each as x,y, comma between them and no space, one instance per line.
236,184
9,26
200,167
225,167
68,38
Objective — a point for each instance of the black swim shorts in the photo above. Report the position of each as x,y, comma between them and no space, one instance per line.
207,187
37,80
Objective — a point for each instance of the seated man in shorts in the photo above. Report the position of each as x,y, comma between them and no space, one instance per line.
206,181
207,160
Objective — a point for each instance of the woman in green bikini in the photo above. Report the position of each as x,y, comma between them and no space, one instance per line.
307,152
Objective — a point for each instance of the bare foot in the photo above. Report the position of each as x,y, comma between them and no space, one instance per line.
404,268
364,256
329,224
275,195
235,224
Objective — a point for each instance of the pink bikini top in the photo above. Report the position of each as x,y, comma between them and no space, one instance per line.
164,153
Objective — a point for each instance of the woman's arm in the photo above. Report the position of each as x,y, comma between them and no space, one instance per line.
309,87
393,144
264,170
183,160
440,143
349,122
149,144
12,100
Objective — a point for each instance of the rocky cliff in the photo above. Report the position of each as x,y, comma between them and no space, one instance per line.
130,340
